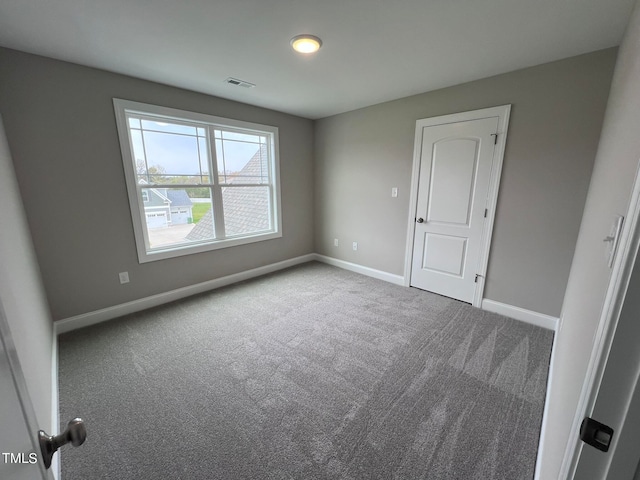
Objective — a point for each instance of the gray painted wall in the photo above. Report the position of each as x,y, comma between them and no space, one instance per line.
61,128
21,292
555,124
609,195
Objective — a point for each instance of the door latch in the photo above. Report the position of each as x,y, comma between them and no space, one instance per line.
596,434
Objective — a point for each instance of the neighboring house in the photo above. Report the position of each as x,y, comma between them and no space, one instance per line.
246,209
167,206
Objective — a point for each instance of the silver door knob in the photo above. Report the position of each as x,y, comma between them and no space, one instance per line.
420,220
76,433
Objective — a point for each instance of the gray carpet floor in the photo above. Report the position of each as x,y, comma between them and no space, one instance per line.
310,373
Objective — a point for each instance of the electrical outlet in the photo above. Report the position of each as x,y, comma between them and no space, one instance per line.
355,246
124,277
335,242
394,192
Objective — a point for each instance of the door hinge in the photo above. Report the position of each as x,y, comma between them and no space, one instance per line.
495,138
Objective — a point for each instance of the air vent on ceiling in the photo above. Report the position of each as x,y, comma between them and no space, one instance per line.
239,83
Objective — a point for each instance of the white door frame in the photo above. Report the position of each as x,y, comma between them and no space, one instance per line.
502,112
623,264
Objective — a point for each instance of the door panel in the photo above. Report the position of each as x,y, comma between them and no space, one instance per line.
21,459
444,253
452,174
455,170
618,400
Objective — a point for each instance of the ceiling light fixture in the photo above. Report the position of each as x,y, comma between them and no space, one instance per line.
306,43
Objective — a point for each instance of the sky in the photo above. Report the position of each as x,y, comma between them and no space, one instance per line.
182,149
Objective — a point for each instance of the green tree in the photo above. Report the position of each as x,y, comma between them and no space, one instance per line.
154,174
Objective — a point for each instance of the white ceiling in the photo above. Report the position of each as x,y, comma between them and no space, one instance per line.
374,50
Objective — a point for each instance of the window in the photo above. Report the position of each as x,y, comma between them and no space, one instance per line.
197,182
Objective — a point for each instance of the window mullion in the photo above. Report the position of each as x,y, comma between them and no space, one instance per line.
144,153
216,194
272,207
141,209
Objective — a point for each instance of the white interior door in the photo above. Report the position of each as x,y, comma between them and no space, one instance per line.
617,403
454,178
18,443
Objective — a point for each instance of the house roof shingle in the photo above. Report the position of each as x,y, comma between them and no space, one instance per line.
246,208
178,198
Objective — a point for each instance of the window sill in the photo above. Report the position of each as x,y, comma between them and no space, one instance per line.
205,246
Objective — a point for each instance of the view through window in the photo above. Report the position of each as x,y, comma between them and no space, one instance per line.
199,182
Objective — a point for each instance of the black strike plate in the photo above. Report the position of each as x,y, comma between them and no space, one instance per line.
596,434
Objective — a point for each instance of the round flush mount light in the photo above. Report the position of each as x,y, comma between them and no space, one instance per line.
306,43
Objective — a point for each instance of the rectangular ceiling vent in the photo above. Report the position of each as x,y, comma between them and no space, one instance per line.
239,83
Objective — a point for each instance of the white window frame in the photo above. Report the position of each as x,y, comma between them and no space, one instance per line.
147,254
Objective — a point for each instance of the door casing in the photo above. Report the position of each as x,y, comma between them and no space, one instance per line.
502,113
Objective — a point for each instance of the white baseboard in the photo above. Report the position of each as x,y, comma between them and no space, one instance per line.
354,267
98,316
528,316
91,318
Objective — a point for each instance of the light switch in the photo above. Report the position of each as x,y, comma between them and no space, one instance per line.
394,192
